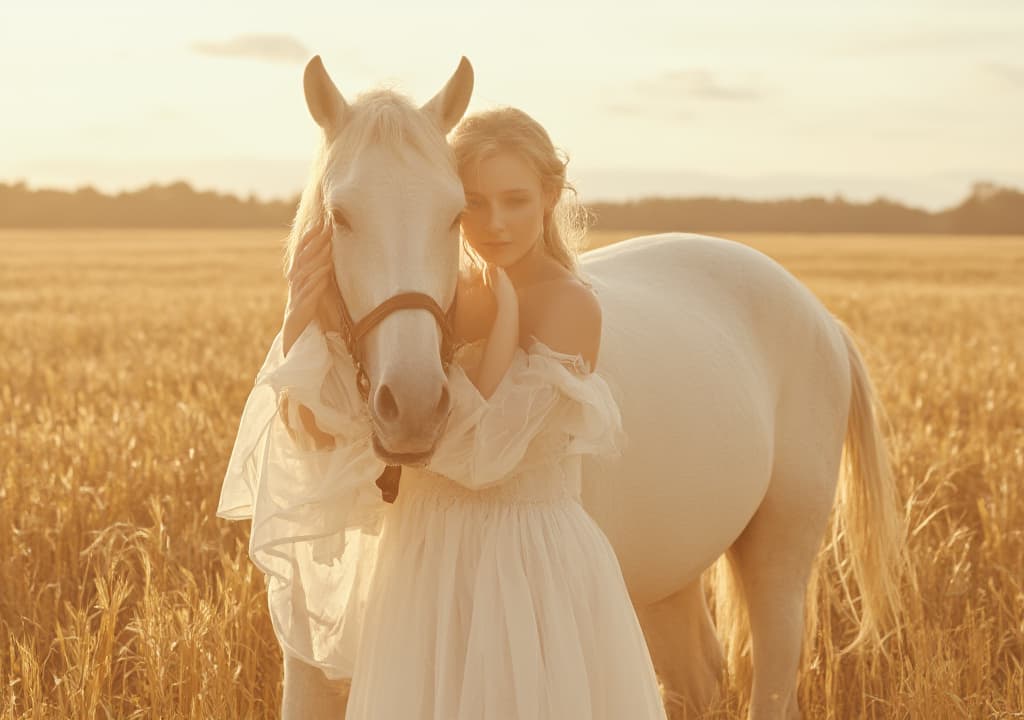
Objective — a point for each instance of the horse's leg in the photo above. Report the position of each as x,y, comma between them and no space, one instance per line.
773,558
685,650
310,695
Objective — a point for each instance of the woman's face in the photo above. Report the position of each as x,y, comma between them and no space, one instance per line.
504,216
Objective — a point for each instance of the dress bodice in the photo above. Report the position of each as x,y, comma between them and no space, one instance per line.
524,442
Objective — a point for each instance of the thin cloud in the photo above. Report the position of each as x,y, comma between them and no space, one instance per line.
671,95
705,85
270,47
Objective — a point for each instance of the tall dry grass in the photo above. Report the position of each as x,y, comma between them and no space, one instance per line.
127,357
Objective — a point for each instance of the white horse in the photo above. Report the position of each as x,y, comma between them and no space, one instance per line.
742,397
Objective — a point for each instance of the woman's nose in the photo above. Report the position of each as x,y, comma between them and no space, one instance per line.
496,221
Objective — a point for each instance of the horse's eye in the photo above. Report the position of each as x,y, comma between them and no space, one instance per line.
339,219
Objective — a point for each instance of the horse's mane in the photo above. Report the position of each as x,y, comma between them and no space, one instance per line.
378,117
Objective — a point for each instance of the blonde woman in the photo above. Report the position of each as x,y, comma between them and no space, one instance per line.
490,593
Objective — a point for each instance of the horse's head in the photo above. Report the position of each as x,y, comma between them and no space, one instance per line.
387,179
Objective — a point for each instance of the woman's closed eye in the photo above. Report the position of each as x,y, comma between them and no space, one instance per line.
511,202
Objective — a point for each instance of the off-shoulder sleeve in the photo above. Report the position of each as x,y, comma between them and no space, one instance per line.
548,404
316,514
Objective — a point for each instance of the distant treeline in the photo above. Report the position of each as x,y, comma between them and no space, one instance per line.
989,208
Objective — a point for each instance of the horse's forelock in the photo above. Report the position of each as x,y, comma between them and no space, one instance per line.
389,118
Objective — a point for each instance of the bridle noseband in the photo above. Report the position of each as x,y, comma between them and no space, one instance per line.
353,334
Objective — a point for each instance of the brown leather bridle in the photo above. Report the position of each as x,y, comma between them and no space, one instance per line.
353,334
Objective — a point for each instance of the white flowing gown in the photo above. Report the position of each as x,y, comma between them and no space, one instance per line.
486,591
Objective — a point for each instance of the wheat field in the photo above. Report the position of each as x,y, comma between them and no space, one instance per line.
127,357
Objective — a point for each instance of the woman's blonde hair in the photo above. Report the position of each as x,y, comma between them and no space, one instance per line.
484,134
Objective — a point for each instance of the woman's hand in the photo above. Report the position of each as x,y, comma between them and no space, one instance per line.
496,280
309,278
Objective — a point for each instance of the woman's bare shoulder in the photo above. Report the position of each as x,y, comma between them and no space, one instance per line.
565,315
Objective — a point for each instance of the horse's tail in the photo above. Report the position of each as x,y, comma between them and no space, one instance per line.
868,539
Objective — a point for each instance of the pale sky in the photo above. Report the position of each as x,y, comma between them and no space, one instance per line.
905,98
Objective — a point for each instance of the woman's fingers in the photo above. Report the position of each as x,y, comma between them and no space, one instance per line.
324,250
313,232
317,244
310,289
312,237
318,236
310,275
314,252
315,263
311,272
317,278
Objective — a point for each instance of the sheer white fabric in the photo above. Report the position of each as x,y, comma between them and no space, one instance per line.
485,590
316,514
547,406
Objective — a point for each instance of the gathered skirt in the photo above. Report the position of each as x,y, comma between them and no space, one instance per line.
483,607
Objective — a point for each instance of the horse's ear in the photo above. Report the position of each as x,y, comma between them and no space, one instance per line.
448,106
325,102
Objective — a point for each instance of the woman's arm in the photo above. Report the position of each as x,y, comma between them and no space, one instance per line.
498,351
310,281
503,338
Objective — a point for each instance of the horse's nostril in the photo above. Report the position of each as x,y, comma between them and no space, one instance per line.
387,407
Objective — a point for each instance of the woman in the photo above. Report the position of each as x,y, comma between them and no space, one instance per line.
489,593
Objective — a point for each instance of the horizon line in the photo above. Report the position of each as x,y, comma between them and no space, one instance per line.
262,198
